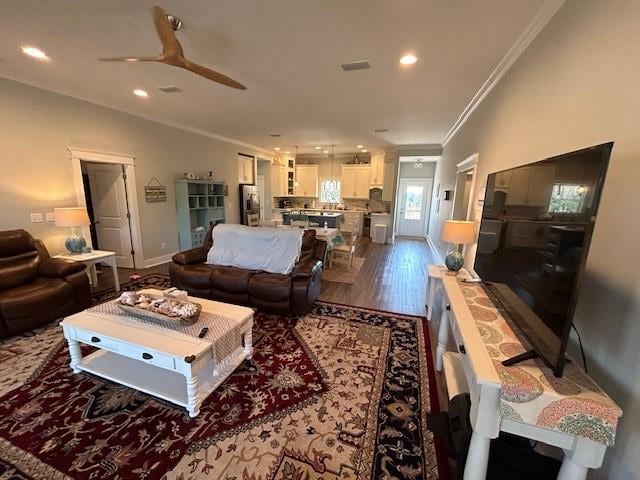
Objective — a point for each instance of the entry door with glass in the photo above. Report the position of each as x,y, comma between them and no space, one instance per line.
415,202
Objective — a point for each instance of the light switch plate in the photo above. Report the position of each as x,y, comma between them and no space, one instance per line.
37,218
51,217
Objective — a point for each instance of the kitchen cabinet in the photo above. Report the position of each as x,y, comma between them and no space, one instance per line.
246,169
278,180
376,170
530,186
503,180
307,181
355,181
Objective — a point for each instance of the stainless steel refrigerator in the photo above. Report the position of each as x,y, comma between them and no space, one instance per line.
249,202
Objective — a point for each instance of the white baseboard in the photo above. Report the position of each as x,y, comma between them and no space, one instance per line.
153,261
434,250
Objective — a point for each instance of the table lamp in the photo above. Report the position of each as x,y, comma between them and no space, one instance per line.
73,217
457,232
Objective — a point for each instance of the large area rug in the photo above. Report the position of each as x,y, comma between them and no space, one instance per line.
340,393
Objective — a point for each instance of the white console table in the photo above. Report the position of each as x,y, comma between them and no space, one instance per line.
525,400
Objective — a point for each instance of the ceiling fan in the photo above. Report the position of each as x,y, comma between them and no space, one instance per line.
172,53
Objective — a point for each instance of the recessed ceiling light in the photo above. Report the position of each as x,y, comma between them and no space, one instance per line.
359,146
364,151
287,151
325,151
408,59
318,148
140,93
277,148
35,53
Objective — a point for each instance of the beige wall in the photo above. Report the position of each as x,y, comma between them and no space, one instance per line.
36,129
577,85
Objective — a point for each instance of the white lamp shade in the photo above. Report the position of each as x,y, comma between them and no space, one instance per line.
71,217
458,231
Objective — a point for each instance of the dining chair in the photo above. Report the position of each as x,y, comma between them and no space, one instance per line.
344,253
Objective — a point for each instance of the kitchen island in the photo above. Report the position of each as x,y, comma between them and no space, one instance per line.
333,219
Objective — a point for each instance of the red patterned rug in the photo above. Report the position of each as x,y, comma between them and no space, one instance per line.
340,393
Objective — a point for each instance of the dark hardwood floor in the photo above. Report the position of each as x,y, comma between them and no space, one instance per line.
393,278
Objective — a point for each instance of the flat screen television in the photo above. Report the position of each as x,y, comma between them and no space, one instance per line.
534,238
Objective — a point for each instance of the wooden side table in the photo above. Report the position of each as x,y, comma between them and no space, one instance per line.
92,259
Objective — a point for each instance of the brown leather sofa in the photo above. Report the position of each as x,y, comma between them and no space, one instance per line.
36,289
293,293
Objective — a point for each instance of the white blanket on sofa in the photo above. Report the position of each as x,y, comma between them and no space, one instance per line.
273,250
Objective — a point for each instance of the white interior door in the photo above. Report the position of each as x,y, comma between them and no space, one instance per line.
260,185
415,202
109,199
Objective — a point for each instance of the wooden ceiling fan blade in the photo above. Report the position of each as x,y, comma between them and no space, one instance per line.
130,59
170,44
211,74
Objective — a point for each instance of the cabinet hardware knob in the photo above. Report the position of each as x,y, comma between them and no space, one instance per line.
147,356
95,339
461,349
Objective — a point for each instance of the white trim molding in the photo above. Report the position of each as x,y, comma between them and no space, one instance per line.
468,163
128,161
159,260
546,11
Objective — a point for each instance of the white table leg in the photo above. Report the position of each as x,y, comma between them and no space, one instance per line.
248,346
76,355
114,269
430,297
94,274
572,471
477,458
443,335
193,395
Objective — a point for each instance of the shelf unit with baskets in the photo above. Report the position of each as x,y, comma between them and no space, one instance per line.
199,204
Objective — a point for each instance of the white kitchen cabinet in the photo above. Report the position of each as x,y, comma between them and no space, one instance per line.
530,186
540,186
307,181
355,181
246,169
503,180
376,170
278,180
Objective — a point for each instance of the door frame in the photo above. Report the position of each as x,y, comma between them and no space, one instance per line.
128,161
469,164
261,195
425,181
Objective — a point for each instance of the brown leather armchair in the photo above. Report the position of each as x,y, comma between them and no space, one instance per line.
36,289
293,293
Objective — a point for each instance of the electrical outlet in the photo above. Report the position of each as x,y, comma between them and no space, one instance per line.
163,246
51,217
37,218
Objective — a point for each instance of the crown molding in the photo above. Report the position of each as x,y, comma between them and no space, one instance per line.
161,121
546,11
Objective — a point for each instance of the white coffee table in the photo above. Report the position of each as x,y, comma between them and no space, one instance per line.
92,259
155,360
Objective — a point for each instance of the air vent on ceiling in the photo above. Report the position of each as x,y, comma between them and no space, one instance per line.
169,89
381,130
359,65
275,135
